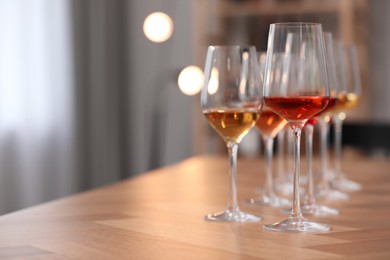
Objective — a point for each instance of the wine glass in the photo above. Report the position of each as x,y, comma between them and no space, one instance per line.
310,206
324,189
231,100
297,93
269,125
349,68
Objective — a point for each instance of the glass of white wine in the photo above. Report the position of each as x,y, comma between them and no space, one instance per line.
231,100
348,66
324,190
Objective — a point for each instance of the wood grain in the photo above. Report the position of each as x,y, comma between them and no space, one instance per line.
159,215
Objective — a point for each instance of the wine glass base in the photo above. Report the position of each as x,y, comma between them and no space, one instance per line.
346,184
272,201
232,216
319,210
287,188
297,225
315,210
330,194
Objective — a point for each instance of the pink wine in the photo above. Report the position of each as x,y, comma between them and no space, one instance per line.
270,123
330,107
297,108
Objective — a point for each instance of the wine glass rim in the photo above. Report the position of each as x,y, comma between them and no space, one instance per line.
232,46
296,24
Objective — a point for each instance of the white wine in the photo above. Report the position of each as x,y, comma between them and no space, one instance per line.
232,124
346,102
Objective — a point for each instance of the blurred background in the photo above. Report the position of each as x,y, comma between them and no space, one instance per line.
86,99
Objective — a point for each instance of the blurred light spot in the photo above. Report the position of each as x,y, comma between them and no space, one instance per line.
158,27
190,80
342,116
327,118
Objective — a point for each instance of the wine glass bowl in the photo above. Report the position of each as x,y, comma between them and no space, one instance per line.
297,91
231,100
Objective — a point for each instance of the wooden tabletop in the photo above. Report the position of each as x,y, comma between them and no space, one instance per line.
159,215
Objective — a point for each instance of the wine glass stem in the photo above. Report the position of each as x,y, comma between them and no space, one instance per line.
296,209
232,202
269,144
281,169
290,150
309,157
324,129
338,124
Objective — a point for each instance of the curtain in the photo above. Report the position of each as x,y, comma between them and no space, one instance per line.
101,91
36,103
63,114
85,98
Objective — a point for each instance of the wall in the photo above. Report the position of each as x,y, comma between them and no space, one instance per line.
379,60
162,122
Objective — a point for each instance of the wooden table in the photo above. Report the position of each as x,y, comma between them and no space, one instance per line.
159,215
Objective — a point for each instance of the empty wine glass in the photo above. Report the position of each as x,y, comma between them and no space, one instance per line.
231,100
269,124
297,93
348,98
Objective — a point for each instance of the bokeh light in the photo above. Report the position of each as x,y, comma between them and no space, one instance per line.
158,27
190,80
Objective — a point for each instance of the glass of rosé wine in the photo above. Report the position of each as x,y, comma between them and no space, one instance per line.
297,93
309,205
231,100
